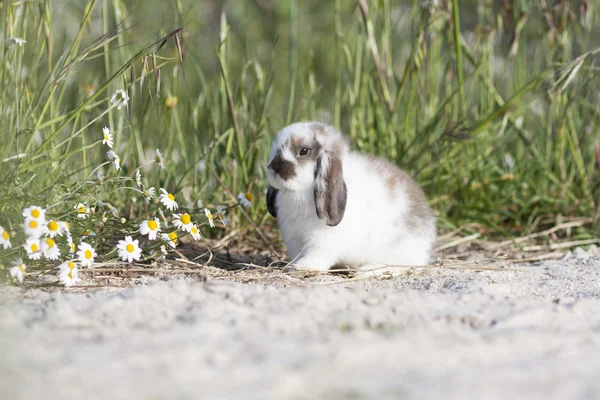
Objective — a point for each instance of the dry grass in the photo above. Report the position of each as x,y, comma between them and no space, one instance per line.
235,259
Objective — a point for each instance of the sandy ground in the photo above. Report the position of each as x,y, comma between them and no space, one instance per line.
529,333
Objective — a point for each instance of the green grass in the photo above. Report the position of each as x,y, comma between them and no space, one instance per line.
493,109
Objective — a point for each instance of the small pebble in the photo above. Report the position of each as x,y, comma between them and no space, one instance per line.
580,254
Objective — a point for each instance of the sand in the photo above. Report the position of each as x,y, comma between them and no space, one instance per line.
532,332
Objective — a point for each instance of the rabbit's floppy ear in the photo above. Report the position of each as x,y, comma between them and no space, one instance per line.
272,201
330,190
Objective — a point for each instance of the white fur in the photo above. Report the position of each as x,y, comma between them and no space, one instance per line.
374,230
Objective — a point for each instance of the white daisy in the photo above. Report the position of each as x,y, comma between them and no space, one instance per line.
221,215
209,217
129,249
168,200
195,232
183,222
17,40
170,239
86,254
50,249
138,177
4,238
159,159
82,211
150,227
34,227
246,199
149,194
116,160
67,273
64,226
34,248
35,212
53,228
108,137
71,243
120,98
18,270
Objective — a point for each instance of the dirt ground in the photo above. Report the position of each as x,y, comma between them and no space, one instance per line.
527,331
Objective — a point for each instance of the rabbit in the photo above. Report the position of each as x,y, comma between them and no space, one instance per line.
337,208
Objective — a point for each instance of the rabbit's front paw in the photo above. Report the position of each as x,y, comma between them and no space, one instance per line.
312,263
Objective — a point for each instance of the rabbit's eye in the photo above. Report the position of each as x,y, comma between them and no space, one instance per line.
304,151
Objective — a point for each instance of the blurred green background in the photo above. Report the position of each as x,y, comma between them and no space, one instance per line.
491,105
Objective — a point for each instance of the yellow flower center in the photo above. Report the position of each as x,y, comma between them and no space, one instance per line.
106,137
22,268
33,224
73,247
171,101
88,254
5,235
34,247
53,226
249,196
152,225
81,209
194,230
130,248
70,274
185,219
173,236
171,197
35,213
71,264
158,159
50,242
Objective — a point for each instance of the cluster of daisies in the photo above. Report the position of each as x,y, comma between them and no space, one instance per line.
41,242
45,236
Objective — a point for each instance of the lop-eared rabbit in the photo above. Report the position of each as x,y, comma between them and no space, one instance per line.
338,208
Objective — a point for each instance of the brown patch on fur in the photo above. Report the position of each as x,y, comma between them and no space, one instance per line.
318,128
338,147
282,167
330,191
296,143
419,213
